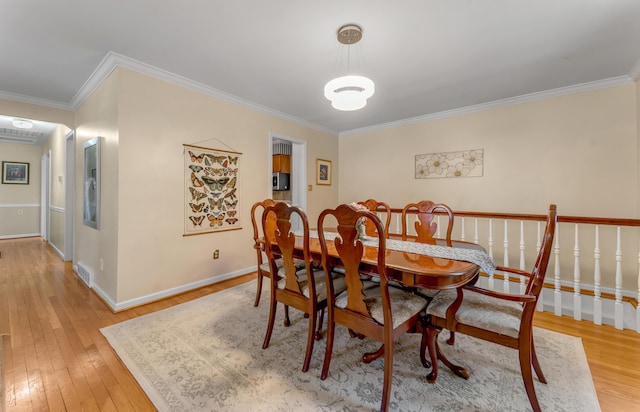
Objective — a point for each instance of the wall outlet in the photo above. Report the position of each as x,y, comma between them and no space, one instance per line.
101,264
19,211
310,188
216,253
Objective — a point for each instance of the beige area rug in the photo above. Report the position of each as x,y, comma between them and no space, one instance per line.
206,355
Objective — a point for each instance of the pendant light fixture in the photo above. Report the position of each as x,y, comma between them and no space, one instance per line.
349,92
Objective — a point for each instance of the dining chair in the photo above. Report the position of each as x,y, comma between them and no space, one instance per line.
303,289
499,317
374,206
258,236
426,228
424,225
382,313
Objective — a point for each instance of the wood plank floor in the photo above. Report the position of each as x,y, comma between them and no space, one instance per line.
56,359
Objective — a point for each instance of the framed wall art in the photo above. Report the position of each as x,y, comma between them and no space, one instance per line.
464,163
212,190
91,184
323,172
15,173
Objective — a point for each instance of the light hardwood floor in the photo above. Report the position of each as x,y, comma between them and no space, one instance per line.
55,357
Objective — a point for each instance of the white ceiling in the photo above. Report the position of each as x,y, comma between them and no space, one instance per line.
425,56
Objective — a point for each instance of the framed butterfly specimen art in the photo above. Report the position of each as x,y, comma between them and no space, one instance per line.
212,186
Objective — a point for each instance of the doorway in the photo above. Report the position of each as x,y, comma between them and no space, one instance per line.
69,195
298,174
45,185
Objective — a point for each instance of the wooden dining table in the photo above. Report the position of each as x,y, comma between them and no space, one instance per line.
411,270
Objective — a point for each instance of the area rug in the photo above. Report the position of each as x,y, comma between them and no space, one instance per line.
206,355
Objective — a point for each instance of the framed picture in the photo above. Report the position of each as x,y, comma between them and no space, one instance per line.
323,172
16,173
91,195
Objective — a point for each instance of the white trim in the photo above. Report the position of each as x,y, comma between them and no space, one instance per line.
113,60
58,251
56,209
116,307
34,100
20,205
20,236
561,91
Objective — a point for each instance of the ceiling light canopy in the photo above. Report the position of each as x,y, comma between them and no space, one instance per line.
22,123
348,93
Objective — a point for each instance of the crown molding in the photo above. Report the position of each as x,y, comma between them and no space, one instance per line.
113,60
34,100
561,91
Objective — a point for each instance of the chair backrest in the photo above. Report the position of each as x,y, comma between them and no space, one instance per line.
374,206
350,251
542,261
424,226
258,208
281,241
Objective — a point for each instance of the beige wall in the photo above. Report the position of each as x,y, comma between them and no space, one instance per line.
98,116
20,204
55,145
577,151
149,120
36,112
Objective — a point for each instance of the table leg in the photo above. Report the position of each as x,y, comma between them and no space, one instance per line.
371,356
436,354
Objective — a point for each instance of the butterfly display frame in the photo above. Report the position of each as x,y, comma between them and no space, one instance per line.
212,190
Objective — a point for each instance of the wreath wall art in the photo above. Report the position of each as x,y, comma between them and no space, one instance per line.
212,182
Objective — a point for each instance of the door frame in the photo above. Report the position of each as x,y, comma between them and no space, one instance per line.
45,190
69,195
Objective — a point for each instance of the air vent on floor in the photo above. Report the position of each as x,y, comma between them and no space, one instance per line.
85,273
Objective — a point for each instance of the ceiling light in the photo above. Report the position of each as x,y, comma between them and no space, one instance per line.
349,92
22,123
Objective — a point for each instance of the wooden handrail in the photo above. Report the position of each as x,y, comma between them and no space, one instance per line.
610,221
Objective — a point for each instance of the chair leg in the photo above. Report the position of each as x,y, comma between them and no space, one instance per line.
259,290
272,318
287,321
452,338
320,322
527,376
310,341
388,374
331,327
536,364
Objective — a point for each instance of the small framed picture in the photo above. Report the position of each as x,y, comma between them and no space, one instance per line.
16,173
323,172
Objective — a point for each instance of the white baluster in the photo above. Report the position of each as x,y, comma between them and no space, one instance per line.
491,250
557,294
597,302
540,305
523,285
476,238
619,309
577,299
462,227
506,256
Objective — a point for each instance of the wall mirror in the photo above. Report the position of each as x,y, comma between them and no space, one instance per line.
91,197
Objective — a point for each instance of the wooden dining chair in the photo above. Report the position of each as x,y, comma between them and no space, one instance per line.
426,229
303,289
382,313
258,236
424,226
374,206
502,318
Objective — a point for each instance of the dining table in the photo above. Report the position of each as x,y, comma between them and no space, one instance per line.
414,265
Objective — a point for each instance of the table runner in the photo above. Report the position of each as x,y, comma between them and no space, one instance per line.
478,257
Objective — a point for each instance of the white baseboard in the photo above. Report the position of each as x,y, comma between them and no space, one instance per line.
20,236
119,306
